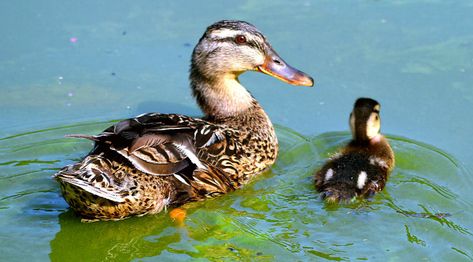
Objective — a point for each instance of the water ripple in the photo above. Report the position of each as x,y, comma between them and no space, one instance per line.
278,215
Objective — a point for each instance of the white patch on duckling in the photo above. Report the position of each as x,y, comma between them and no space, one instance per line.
373,126
362,177
329,174
376,161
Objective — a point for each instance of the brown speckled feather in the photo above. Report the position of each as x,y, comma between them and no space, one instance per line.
156,152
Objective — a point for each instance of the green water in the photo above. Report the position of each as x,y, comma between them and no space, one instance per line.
68,68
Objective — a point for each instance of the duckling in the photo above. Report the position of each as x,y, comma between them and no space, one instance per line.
362,167
145,164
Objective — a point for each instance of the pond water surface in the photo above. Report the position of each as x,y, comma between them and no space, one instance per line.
78,67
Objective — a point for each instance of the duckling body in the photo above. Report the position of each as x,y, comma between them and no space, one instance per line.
362,167
142,165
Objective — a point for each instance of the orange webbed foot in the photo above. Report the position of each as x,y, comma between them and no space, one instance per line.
178,215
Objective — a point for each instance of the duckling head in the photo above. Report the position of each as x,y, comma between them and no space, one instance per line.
365,122
227,49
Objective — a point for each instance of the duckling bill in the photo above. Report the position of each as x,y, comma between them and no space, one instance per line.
145,164
362,167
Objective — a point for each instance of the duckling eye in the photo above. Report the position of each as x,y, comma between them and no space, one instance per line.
240,39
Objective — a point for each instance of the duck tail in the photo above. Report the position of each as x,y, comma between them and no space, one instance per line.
93,175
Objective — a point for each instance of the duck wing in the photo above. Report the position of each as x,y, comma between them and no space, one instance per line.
161,144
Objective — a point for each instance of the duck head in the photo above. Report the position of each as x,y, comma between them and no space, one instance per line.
227,49
365,123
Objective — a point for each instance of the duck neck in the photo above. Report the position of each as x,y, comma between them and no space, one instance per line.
364,141
221,96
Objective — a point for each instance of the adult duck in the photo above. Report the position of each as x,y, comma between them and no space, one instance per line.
144,164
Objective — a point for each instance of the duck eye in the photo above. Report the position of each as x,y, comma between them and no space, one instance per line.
240,39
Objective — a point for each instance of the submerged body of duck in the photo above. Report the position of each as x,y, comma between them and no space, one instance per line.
144,164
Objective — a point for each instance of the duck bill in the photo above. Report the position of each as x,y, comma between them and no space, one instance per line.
275,66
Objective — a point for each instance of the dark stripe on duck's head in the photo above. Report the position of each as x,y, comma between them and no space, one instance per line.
366,102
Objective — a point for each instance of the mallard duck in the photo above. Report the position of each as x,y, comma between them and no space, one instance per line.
144,164
362,167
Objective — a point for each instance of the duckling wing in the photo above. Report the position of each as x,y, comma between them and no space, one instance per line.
353,174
